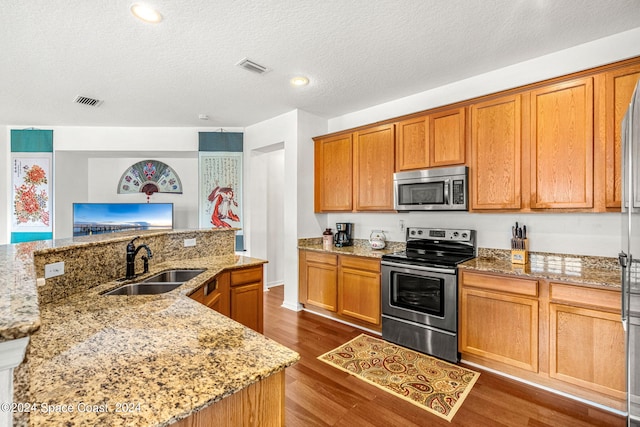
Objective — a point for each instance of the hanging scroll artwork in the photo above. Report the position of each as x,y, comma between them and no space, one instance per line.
149,176
220,189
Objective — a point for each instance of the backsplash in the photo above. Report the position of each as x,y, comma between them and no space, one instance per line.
89,262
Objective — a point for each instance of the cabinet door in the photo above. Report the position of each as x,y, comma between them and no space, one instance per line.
374,162
587,349
619,89
412,150
246,305
447,138
496,154
216,294
359,295
333,174
562,145
322,286
500,327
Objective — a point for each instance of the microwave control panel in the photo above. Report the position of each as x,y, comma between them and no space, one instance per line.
458,192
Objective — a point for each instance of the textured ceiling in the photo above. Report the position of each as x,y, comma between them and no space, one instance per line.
357,53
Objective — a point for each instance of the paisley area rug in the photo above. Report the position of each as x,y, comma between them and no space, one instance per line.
432,384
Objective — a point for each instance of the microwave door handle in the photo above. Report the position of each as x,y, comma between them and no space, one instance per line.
447,185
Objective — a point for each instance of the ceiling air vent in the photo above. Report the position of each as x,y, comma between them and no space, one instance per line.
248,64
91,102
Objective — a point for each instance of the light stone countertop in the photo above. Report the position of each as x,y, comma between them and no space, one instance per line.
597,272
171,355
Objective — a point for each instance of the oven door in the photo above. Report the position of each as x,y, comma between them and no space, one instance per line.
424,295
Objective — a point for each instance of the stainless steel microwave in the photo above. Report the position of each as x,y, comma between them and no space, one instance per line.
436,189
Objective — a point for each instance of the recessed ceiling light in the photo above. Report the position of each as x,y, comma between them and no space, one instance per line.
146,13
300,81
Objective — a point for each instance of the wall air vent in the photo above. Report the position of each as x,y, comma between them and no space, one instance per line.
248,64
91,102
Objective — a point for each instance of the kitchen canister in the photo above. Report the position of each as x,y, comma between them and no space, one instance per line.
377,239
327,239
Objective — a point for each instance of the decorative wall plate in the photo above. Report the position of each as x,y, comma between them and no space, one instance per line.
149,176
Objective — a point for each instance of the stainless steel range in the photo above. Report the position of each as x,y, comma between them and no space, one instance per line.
420,290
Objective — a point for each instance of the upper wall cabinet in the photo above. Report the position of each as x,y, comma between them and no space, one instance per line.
562,145
619,85
373,168
496,154
354,172
432,140
333,188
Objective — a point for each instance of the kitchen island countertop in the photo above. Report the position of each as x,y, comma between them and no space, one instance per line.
160,357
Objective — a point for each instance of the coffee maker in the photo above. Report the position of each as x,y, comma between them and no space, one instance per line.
344,234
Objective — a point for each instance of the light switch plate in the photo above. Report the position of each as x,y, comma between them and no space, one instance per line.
189,242
54,269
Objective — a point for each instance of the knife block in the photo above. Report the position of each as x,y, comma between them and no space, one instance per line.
521,256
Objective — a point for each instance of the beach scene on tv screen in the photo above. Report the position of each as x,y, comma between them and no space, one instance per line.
98,218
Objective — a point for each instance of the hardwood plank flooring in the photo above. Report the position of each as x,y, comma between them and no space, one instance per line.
319,395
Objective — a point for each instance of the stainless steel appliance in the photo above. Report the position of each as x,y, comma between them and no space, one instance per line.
344,234
420,290
436,189
630,254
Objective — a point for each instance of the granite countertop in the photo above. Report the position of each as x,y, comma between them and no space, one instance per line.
599,272
166,356
360,247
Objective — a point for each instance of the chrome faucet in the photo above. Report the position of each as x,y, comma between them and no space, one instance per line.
132,251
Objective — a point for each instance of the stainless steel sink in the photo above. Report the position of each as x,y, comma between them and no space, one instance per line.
173,276
157,284
143,289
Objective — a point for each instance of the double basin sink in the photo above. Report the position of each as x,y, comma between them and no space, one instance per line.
158,283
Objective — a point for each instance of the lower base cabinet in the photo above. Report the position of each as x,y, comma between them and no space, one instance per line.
559,335
260,404
237,294
344,287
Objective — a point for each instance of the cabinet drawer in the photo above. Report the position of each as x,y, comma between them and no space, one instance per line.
246,275
321,258
512,285
360,263
583,296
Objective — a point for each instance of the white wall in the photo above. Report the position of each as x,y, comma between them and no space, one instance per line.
585,234
275,216
5,183
293,131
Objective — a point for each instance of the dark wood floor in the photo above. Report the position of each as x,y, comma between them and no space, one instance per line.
319,395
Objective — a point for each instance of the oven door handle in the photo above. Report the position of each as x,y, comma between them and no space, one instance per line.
420,267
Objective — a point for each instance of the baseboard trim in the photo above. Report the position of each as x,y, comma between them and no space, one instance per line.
545,388
343,322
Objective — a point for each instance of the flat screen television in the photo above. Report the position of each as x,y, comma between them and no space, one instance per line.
98,218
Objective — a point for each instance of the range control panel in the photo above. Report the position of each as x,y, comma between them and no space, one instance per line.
460,235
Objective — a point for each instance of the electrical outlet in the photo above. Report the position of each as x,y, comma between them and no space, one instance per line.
402,225
189,242
54,269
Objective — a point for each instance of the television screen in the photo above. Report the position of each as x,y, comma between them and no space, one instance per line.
98,218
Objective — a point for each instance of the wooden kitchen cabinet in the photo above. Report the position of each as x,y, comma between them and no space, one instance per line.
319,281
373,165
432,140
495,170
359,288
246,296
343,287
333,181
619,86
586,339
237,294
562,145
560,335
499,319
